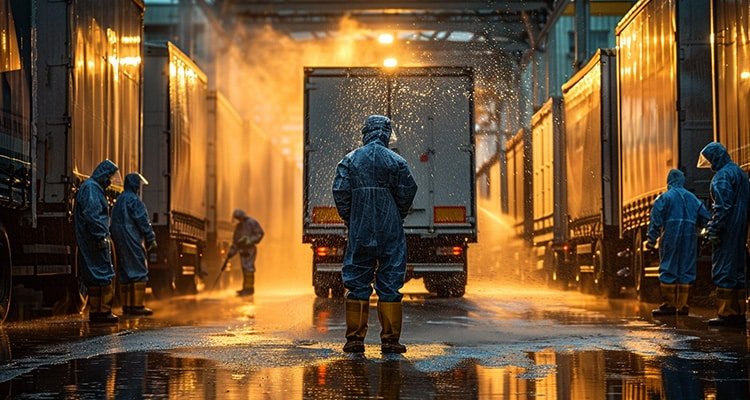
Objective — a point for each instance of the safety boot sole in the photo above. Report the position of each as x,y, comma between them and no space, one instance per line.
354,346
103,318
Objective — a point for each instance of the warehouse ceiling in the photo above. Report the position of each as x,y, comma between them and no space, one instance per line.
504,27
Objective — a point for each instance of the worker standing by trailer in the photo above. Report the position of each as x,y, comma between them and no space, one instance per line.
130,230
374,190
91,223
675,218
727,232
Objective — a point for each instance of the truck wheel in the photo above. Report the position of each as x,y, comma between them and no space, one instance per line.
183,284
321,290
320,284
605,282
6,276
647,288
337,290
555,278
451,285
162,283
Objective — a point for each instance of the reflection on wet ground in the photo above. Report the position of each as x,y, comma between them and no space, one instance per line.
520,343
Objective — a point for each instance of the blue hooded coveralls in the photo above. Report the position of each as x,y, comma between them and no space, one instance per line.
130,227
373,190
676,216
730,189
91,227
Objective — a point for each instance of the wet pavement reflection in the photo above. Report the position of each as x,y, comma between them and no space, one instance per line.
497,342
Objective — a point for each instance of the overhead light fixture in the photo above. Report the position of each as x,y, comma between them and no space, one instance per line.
390,62
385,38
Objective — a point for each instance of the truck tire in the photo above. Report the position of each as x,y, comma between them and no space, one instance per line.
447,285
323,282
183,284
162,283
559,272
605,270
6,276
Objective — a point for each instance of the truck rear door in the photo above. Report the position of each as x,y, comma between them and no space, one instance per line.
432,112
337,101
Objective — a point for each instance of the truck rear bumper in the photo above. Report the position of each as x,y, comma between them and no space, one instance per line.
412,267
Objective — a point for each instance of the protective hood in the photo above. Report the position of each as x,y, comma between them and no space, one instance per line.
133,182
716,154
103,172
377,127
675,179
239,214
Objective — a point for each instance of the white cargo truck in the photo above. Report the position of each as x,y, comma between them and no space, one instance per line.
432,109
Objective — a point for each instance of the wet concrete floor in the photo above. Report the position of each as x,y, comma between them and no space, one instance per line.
499,342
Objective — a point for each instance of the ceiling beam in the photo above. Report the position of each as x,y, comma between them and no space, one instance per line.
347,6
488,28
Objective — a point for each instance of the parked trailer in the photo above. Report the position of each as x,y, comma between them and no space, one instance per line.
432,110
592,165
71,98
549,210
174,161
228,183
664,75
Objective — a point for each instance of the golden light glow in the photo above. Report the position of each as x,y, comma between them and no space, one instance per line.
385,38
130,40
390,62
745,75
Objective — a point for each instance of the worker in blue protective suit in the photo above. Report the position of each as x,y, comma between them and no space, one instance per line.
374,190
676,217
247,234
130,230
91,227
727,232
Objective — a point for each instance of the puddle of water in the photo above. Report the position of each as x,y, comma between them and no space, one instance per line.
540,375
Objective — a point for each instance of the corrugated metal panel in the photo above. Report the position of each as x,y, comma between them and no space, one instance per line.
106,89
583,126
188,128
516,158
547,144
731,32
647,57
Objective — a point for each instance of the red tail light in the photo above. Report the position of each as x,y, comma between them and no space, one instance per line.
457,251
322,251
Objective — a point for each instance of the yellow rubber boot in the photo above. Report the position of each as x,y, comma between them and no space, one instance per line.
727,309
683,291
101,304
390,315
669,294
357,312
137,298
248,284
126,298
